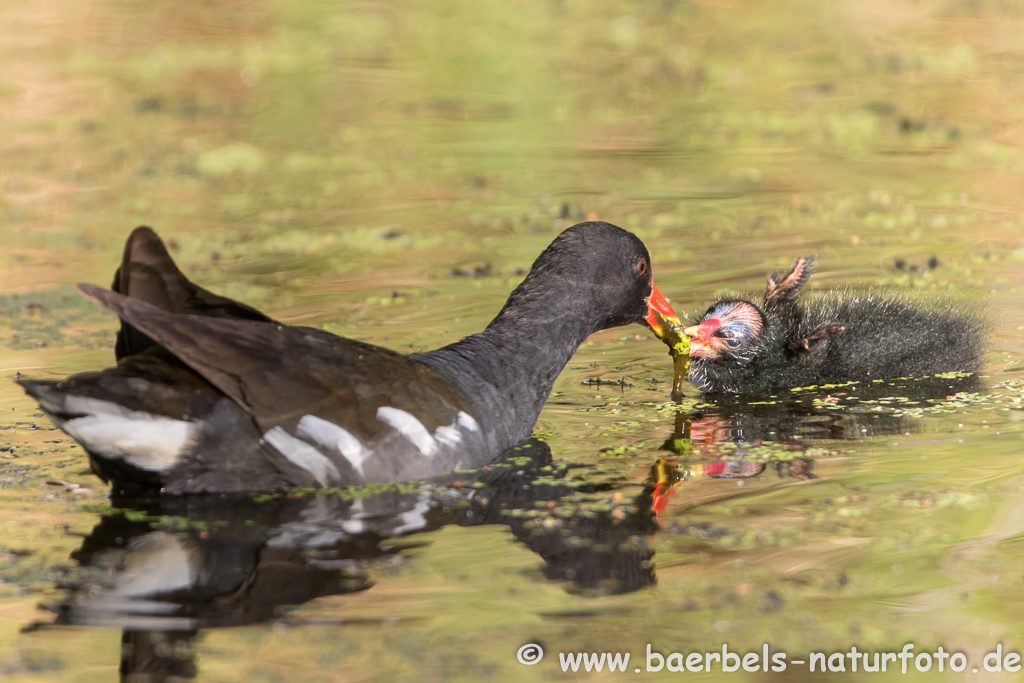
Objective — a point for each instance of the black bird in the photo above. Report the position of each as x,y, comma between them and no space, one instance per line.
741,347
212,395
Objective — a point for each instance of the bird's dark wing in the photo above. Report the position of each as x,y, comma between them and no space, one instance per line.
782,289
279,373
148,273
806,343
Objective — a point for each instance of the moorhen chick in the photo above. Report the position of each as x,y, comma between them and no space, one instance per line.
212,395
741,347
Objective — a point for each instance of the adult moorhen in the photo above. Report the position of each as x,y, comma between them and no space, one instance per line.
212,395
741,347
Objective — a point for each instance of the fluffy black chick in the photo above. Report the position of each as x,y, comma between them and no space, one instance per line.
741,347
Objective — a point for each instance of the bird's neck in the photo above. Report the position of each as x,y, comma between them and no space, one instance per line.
508,370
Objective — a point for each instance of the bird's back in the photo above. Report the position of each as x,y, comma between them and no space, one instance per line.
887,336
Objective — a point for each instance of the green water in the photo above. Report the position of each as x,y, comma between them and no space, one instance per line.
389,170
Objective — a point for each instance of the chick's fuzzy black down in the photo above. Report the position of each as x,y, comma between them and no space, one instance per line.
839,337
886,336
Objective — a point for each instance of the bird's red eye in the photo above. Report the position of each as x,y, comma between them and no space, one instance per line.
641,267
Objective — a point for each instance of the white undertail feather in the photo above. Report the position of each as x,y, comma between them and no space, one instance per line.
149,442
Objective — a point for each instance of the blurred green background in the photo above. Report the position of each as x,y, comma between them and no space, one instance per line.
389,170
317,140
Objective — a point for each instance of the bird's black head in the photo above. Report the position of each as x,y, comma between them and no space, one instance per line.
595,270
728,331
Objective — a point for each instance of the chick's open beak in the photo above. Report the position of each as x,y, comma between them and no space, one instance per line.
700,334
659,312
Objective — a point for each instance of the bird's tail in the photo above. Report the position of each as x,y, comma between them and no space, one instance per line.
148,273
116,435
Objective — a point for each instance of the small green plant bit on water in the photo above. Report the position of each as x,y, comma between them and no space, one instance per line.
679,348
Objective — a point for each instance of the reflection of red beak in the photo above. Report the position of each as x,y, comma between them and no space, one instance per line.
658,307
700,336
666,479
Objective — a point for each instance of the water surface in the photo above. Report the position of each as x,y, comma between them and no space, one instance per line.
389,171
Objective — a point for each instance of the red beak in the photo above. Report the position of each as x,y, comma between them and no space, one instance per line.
658,310
700,334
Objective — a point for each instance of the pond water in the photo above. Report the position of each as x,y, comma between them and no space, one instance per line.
388,171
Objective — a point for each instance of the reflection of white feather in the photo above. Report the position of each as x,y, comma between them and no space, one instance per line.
321,525
416,518
355,523
152,565
155,564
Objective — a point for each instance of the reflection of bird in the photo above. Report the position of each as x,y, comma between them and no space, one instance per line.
741,347
211,395
246,559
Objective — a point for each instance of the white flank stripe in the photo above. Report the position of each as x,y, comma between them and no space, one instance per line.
331,435
409,427
149,442
304,455
467,422
449,436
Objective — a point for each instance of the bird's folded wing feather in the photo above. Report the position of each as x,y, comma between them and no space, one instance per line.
148,273
280,373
